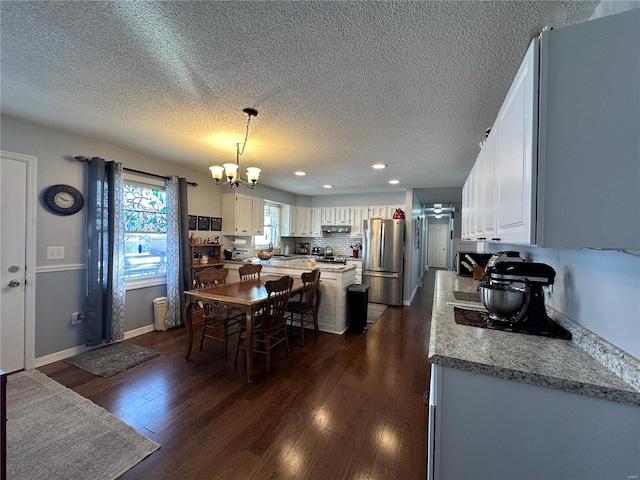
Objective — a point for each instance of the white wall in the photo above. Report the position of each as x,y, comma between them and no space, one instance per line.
598,289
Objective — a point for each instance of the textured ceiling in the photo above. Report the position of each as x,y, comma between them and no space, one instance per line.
338,85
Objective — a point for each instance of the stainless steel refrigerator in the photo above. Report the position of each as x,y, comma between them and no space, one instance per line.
383,260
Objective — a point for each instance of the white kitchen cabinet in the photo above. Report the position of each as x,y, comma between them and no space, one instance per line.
465,232
332,316
242,215
379,211
507,429
234,272
566,151
258,216
485,191
237,214
293,221
329,216
343,215
384,211
316,222
305,221
358,215
514,177
469,204
500,188
358,265
301,221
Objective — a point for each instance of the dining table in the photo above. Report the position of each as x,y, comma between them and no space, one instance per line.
246,295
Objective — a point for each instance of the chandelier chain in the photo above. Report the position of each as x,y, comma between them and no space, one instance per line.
246,137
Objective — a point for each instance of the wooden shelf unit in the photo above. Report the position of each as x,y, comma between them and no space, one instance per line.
212,250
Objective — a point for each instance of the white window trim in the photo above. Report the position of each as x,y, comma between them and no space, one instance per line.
151,280
144,282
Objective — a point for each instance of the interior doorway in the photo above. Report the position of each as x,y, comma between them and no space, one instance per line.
438,242
17,261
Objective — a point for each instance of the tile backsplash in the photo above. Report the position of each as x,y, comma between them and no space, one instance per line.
340,242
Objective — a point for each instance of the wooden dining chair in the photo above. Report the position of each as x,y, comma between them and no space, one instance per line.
219,321
305,310
249,271
270,326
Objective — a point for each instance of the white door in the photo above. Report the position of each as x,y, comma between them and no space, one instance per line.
16,253
437,249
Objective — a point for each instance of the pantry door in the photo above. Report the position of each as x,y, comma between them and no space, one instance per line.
17,261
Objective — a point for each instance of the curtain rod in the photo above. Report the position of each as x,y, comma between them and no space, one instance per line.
89,160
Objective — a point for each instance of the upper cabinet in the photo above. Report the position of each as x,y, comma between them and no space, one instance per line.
304,222
258,216
316,222
358,215
242,215
561,166
379,211
384,211
328,216
343,215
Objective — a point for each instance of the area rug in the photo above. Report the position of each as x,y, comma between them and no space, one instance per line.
115,358
52,432
374,311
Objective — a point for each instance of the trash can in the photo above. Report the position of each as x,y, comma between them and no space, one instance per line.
159,311
357,305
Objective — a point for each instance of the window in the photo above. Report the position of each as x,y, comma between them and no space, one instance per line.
145,225
271,227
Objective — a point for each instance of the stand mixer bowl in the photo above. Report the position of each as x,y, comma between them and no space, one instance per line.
502,301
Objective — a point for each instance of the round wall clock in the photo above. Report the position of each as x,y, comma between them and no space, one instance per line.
63,199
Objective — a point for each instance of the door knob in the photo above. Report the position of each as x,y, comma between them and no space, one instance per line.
14,283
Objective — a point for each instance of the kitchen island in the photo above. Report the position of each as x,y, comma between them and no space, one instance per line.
334,280
511,405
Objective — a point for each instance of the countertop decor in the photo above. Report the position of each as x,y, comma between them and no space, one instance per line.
547,362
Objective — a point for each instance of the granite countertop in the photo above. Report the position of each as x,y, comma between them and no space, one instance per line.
536,360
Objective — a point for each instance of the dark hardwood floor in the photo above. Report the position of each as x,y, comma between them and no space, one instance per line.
342,407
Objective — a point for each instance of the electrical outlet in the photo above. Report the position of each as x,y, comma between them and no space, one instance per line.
77,317
55,253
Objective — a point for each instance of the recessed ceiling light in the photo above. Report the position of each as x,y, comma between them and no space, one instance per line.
328,186
379,166
394,182
300,173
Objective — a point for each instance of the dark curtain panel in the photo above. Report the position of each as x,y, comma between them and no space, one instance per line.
185,253
100,252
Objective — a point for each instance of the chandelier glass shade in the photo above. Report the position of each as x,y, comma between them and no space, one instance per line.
228,174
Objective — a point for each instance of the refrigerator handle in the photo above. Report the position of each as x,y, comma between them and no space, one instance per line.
381,254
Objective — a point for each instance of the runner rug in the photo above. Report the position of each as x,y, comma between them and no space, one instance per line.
374,310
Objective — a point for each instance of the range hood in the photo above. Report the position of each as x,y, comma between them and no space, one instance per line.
336,228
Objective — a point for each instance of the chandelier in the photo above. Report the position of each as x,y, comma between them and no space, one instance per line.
229,171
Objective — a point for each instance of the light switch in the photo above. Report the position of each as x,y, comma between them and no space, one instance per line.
55,253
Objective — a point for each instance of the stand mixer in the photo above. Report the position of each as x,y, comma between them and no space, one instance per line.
511,290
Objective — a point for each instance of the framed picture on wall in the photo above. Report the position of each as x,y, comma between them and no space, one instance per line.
216,224
193,222
203,223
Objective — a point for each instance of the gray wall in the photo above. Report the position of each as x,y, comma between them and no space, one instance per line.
61,284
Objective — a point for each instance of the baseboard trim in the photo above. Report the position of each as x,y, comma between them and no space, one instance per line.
138,331
70,352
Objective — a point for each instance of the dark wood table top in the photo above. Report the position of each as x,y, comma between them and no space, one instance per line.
248,292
